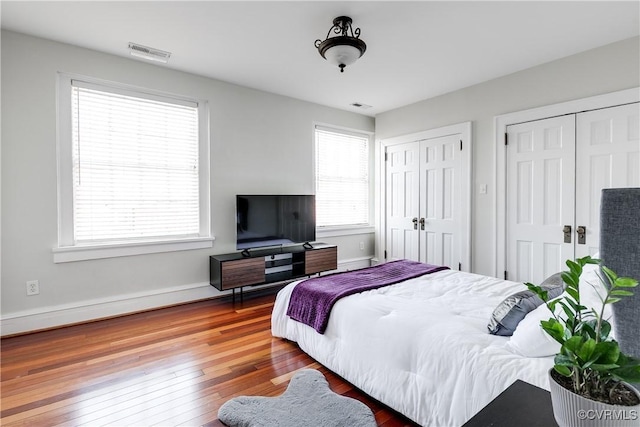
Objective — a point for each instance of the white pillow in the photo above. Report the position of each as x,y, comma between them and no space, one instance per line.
530,340
592,291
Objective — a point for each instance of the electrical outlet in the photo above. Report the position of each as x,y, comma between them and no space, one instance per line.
362,246
33,287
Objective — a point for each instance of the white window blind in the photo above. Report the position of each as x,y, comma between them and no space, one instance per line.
135,165
342,178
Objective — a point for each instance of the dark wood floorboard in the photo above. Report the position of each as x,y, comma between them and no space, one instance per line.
170,367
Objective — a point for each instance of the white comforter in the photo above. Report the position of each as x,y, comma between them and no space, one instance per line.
420,346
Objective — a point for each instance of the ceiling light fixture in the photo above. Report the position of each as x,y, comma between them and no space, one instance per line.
149,53
343,49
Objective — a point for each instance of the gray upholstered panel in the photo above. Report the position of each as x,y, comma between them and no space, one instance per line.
620,251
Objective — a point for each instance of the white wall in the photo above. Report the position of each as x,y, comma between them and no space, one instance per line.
260,142
606,69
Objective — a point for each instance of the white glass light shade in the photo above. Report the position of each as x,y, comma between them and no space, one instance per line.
342,55
341,50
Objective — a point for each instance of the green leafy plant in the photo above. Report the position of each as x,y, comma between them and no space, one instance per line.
590,360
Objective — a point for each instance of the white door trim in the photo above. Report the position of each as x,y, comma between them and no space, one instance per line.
464,129
500,126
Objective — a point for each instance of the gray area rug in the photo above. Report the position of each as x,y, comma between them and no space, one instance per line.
308,401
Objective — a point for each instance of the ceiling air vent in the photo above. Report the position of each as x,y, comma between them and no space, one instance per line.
360,105
149,53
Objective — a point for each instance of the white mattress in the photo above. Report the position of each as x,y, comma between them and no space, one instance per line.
420,346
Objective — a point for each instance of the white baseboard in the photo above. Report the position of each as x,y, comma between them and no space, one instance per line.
354,263
89,310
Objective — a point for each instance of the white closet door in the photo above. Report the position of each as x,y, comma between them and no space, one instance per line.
440,221
607,156
540,197
402,208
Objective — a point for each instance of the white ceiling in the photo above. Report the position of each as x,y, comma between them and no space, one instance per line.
415,50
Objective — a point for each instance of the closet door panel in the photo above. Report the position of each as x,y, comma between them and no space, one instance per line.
607,156
540,197
440,201
402,177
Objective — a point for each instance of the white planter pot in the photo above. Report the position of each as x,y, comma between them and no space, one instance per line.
573,410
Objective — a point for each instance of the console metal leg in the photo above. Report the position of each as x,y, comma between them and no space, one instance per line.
233,293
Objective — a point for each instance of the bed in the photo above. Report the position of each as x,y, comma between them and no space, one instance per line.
421,346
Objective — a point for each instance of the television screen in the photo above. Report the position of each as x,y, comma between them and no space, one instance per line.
273,220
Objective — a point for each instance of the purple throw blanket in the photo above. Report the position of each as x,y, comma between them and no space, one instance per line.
311,300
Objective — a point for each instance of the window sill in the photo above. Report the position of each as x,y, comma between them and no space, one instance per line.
88,252
343,231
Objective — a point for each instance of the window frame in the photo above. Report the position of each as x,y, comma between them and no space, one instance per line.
348,229
67,250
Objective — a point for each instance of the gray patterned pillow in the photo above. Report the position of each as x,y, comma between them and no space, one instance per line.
511,311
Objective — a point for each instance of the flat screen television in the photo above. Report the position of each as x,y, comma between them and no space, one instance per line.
274,220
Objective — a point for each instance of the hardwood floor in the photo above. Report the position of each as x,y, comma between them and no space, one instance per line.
168,367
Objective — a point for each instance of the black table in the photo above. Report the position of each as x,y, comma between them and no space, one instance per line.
521,404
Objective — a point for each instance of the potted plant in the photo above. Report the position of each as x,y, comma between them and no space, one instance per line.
589,379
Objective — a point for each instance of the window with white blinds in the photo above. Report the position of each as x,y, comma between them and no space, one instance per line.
135,166
133,171
342,178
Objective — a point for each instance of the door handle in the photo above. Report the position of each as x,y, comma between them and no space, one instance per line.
422,222
567,233
415,223
582,234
